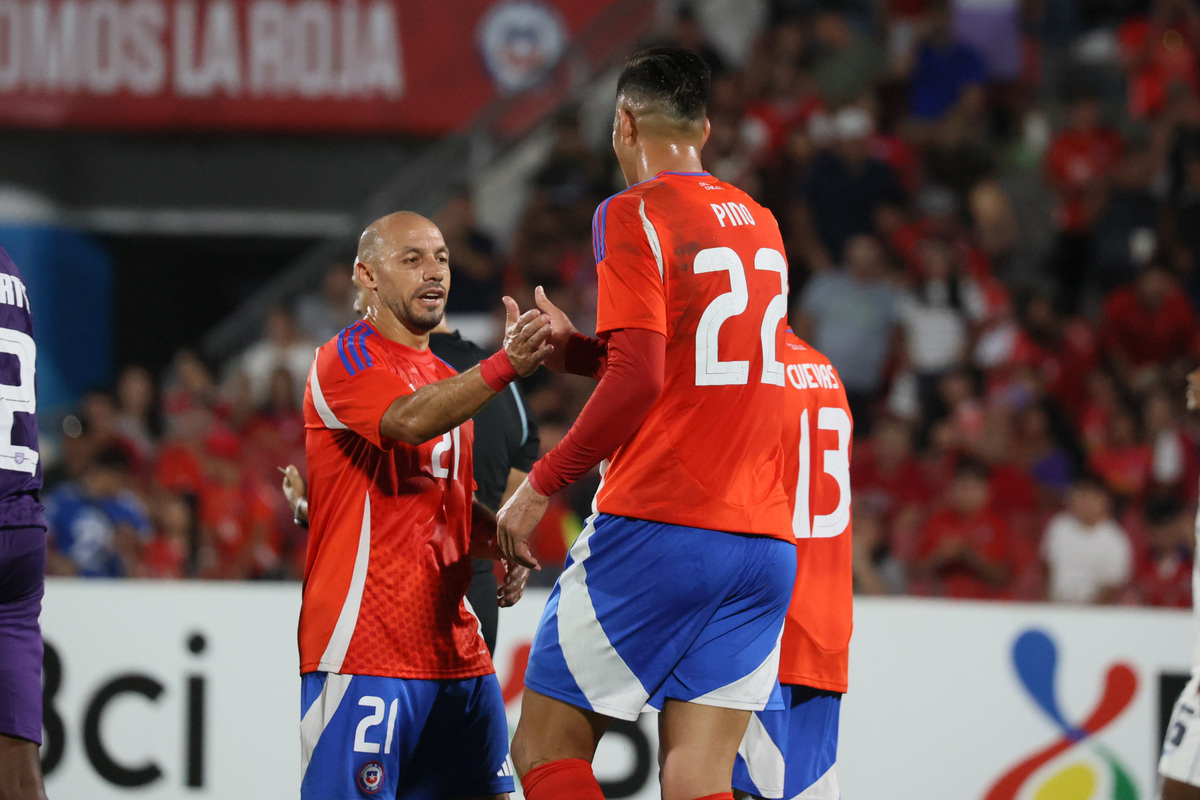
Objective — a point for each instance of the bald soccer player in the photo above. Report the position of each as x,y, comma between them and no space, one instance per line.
399,696
675,592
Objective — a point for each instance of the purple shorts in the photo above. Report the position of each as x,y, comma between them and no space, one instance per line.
22,584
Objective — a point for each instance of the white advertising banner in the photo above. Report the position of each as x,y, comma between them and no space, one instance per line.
189,690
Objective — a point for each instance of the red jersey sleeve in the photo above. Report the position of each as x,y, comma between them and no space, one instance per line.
629,267
351,388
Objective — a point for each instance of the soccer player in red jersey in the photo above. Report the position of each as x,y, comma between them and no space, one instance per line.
791,753
399,696
674,594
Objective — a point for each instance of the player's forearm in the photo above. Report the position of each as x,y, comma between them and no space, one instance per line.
632,382
438,407
586,356
483,533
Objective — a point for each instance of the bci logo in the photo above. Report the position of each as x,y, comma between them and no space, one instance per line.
91,726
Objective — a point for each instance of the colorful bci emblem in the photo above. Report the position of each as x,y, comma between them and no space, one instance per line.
370,777
1035,658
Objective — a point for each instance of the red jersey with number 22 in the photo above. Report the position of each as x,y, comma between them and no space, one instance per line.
818,431
389,523
700,262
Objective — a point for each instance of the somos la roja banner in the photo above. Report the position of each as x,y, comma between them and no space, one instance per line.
415,66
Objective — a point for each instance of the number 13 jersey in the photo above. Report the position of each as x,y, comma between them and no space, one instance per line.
817,434
388,559
700,262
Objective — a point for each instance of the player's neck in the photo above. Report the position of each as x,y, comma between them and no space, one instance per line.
390,327
667,156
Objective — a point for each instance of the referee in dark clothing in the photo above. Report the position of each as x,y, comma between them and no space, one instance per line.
506,445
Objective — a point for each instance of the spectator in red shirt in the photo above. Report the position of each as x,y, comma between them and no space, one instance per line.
1079,162
1164,572
236,517
1124,460
888,484
1147,326
965,552
1160,52
166,556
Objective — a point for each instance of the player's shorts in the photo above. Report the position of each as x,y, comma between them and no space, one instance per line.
647,611
366,736
22,584
1181,749
791,753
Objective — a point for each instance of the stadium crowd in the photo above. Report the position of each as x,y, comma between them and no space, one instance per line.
993,230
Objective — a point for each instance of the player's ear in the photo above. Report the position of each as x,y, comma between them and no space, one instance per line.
364,274
626,127
707,131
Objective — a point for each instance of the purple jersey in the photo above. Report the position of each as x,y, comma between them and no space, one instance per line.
20,470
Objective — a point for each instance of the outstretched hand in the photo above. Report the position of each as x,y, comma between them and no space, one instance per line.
526,337
561,330
515,578
293,489
516,521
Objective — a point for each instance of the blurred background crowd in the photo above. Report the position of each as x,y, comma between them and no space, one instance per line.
993,229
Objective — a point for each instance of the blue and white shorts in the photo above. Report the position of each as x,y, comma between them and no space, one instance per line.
791,753
647,611
364,736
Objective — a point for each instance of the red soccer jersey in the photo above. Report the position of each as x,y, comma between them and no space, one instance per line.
389,523
701,263
817,437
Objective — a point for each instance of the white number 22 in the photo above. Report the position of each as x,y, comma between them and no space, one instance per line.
836,463
15,399
710,369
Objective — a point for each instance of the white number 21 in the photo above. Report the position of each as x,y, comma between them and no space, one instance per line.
835,462
710,369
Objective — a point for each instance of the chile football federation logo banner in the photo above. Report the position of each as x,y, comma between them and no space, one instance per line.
1076,765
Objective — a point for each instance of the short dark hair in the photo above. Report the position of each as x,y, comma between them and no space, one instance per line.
675,79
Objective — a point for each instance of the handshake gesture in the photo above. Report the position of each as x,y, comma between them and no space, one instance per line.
539,335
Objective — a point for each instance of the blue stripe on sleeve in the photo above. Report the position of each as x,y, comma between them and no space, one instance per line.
360,345
351,342
341,344
602,213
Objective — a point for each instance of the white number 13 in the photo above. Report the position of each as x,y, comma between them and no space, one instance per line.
836,462
710,369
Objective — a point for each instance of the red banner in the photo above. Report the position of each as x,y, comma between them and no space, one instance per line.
415,66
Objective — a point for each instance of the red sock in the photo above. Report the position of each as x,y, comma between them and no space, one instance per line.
566,778
721,796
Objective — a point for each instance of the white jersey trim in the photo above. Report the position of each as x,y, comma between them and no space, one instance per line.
652,237
313,723
323,411
339,640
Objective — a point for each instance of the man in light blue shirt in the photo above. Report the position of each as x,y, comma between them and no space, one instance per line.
850,315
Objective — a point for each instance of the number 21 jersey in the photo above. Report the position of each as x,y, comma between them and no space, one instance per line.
388,559
20,467
700,262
